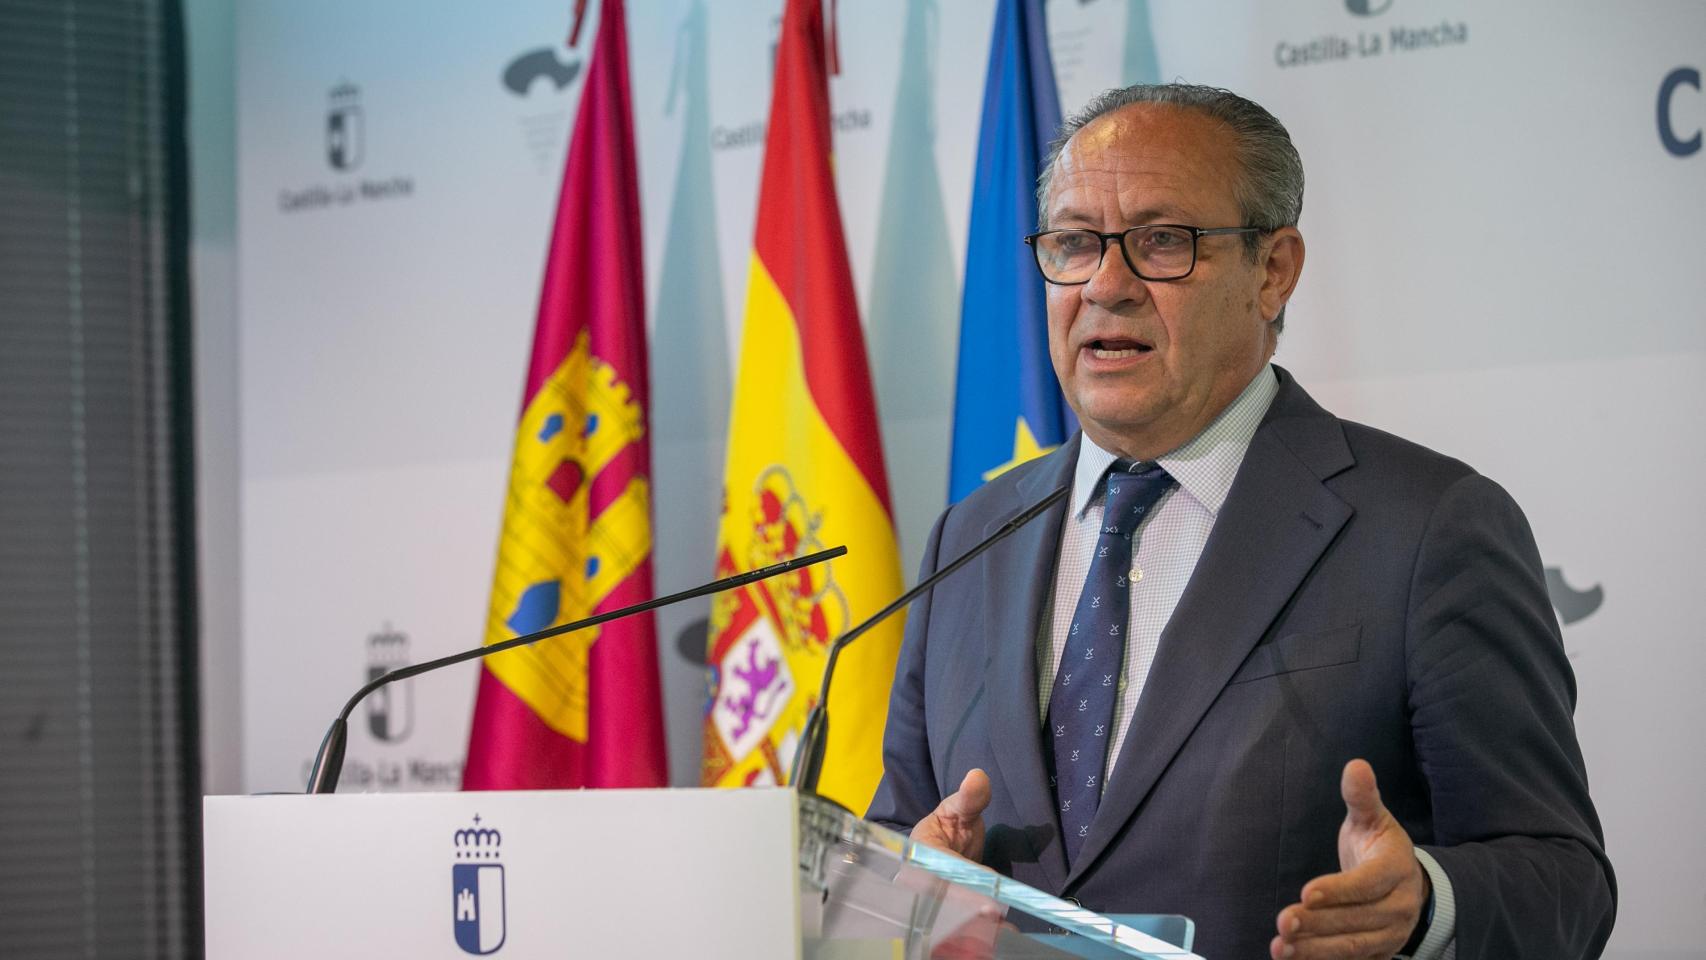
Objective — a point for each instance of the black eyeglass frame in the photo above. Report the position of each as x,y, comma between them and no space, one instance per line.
1197,233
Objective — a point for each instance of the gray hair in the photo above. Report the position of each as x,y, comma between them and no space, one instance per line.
1269,193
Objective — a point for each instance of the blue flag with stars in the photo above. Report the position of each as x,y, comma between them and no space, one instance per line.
1007,404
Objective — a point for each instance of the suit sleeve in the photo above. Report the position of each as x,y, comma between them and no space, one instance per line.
908,788
1491,699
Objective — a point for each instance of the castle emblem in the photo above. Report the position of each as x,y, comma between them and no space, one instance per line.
344,134
477,885
390,710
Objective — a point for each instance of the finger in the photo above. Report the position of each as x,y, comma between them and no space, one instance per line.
1388,914
1369,881
969,801
941,832
956,825
1363,809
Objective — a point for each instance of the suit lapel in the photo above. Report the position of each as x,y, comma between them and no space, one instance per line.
1273,527
1011,618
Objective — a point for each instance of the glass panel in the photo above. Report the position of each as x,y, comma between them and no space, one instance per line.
866,891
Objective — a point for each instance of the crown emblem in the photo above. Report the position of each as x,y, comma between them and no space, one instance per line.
477,842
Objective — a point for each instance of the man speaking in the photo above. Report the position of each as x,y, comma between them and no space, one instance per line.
1291,676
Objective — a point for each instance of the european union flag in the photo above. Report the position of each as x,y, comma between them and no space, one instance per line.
1007,404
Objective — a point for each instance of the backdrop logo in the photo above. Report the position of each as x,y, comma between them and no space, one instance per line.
391,708
1571,604
477,886
1364,44
344,127
539,63
345,147
1668,133
535,80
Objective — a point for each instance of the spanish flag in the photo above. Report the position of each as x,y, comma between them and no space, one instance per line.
581,710
805,471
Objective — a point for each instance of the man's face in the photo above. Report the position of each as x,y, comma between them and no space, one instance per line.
1147,365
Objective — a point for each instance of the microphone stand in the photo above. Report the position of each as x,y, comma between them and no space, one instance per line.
329,761
814,737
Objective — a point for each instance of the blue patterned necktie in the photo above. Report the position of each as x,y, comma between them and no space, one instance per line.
1081,704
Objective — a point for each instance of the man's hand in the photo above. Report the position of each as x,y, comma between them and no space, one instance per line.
956,825
1370,907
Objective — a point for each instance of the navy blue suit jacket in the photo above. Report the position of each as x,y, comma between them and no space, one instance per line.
1360,596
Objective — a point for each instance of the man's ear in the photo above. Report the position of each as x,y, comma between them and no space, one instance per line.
1282,264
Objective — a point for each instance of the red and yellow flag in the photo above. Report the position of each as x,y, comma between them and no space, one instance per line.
582,709
805,471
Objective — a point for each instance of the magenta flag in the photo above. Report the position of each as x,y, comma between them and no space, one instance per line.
582,709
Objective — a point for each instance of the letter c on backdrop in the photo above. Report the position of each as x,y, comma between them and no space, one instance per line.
1667,133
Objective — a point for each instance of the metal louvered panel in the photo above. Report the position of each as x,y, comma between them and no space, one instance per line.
98,782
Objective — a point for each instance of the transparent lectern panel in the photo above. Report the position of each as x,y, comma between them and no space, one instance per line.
866,891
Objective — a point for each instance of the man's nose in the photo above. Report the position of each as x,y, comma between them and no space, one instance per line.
1114,281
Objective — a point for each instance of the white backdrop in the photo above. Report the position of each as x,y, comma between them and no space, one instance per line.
1505,263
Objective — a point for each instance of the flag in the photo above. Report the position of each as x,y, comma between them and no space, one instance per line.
582,709
1007,403
804,471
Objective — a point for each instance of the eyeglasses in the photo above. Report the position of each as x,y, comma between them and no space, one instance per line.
1154,251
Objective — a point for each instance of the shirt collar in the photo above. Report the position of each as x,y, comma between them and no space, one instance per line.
1205,466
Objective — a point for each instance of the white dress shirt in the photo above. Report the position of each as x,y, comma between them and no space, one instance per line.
1165,546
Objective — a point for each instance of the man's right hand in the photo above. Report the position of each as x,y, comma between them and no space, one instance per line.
956,825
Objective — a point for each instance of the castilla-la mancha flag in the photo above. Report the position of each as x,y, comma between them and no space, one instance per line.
805,471
582,709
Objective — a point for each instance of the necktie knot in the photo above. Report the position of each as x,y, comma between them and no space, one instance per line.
1132,489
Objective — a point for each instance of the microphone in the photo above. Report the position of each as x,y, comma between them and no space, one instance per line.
808,759
329,761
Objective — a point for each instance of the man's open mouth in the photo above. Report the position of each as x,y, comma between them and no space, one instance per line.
1118,349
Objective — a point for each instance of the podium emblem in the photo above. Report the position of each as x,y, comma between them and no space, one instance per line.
477,889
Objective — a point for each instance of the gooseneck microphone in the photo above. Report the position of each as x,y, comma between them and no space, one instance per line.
329,761
808,759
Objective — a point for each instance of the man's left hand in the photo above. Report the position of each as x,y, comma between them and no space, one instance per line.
1370,907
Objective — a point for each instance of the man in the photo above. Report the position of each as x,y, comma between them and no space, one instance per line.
1291,676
